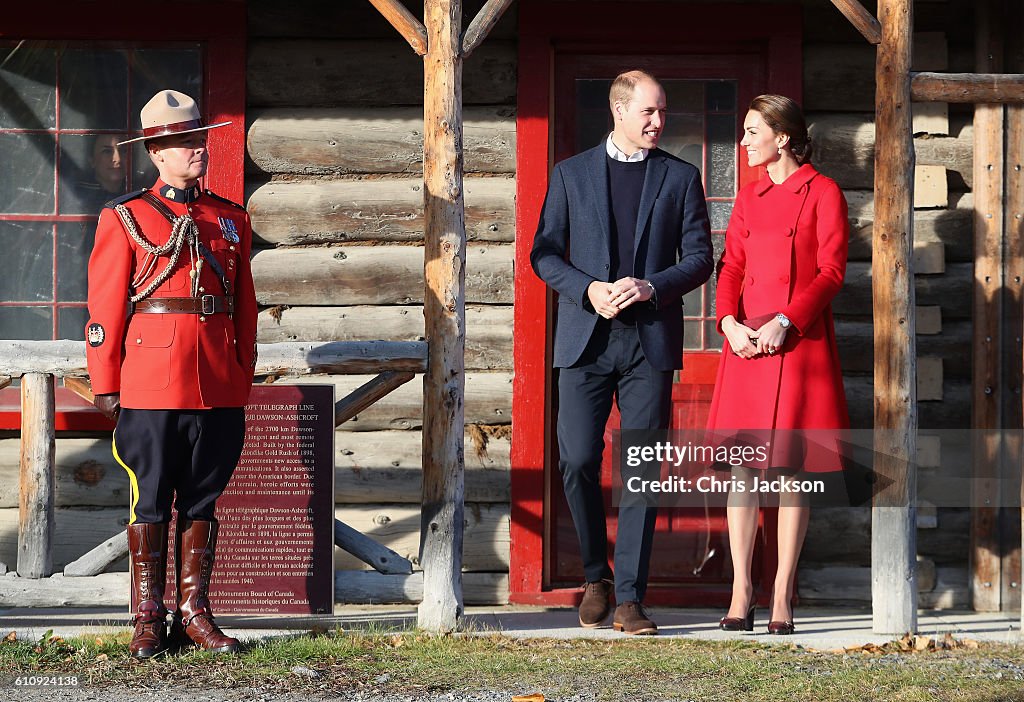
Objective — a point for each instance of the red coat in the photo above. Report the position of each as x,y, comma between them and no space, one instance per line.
785,251
171,361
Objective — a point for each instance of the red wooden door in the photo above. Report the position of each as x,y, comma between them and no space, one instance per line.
712,59
707,98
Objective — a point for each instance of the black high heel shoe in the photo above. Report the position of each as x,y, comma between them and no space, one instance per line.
737,623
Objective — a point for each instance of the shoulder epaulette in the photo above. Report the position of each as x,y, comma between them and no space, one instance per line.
121,199
215,196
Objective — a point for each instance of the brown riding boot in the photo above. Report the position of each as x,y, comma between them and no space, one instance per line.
194,546
147,544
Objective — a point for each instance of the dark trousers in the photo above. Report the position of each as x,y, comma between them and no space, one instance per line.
189,454
613,365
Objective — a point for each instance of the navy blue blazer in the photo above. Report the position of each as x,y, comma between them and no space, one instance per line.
672,249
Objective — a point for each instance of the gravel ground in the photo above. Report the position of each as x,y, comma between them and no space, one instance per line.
110,694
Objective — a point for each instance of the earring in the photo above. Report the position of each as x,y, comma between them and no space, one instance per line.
780,151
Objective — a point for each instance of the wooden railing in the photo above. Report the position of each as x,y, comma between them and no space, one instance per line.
39,363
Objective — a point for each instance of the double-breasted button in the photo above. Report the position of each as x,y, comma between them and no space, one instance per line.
789,232
745,233
784,279
139,340
750,280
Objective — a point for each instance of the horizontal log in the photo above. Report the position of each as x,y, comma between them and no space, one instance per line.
369,587
63,358
373,554
337,211
100,558
844,149
854,339
371,275
319,72
345,20
839,77
339,140
972,88
488,328
488,400
852,584
952,228
76,532
951,291
386,466
380,466
953,412
104,590
486,534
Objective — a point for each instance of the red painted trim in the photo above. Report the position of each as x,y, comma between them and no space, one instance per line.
221,27
547,27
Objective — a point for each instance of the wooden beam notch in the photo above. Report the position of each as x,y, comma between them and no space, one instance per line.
861,19
411,29
482,24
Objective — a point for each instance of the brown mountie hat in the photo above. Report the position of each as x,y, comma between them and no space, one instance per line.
170,112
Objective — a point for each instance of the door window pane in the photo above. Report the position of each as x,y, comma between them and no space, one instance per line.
74,245
71,323
28,72
28,259
94,89
31,157
19,322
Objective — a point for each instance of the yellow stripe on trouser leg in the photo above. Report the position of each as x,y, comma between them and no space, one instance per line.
131,479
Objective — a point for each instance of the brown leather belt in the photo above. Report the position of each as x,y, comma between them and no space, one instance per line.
206,304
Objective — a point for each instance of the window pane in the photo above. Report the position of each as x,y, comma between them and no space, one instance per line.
28,74
691,335
692,302
721,96
92,171
74,244
164,69
684,95
28,261
722,155
71,323
26,322
592,94
31,156
683,136
719,213
144,173
94,89
712,339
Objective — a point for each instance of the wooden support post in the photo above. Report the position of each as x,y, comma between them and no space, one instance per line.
379,557
444,310
100,558
368,393
38,476
411,29
482,24
1015,243
893,517
861,19
968,87
5,380
986,419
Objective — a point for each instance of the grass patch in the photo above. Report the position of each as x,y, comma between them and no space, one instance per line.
650,669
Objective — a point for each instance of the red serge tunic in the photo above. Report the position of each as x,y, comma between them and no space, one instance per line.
785,251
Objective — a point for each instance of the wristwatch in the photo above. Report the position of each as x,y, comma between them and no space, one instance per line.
783,320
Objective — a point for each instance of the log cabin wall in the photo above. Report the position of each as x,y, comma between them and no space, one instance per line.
333,180
334,185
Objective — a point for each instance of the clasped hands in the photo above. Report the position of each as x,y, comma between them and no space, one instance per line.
749,343
609,299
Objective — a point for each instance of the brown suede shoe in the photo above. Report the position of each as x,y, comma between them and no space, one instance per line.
596,604
630,618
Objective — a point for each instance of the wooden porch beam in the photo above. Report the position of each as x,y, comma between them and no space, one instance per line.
368,393
38,476
861,19
377,556
411,29
482,24
894,513
967,87
444,312
5,380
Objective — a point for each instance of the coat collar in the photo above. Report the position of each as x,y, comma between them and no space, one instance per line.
177,194
801,177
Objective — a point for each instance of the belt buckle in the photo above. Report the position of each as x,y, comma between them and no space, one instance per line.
211,307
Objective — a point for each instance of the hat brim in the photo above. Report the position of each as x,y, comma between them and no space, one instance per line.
170,134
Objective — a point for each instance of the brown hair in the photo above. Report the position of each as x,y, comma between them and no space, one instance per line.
784,116
624,85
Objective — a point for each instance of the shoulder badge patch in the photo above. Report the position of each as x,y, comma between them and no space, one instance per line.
95,334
